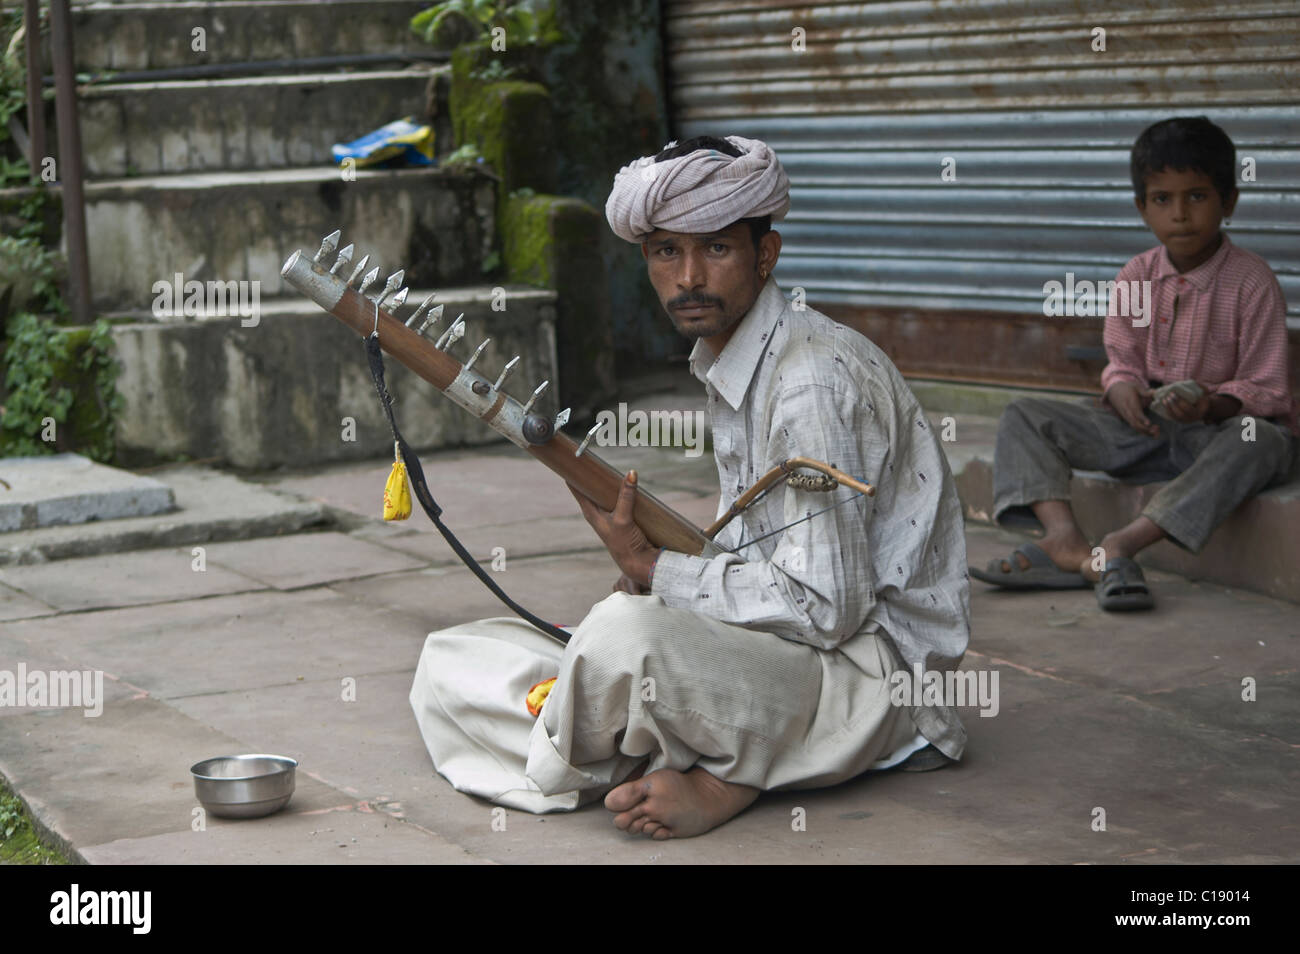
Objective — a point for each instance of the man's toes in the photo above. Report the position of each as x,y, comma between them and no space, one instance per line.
624,797
662,834
625,820
650,827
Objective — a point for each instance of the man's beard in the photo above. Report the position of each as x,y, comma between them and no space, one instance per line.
719,321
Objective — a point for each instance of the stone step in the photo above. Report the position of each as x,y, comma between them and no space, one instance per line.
265,122
70,489
438,224
140,36
295,390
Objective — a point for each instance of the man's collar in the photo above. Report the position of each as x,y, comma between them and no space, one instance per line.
1203,275
731,373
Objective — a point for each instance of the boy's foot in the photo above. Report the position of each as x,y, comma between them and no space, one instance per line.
1123,587
670,804
1031,567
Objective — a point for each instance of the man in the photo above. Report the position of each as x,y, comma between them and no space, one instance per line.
767,666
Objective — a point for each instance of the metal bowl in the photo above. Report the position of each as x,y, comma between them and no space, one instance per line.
244,786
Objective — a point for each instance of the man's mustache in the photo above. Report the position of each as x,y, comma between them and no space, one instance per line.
695,298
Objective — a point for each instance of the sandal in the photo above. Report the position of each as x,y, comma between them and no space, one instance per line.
1123,587
1042,573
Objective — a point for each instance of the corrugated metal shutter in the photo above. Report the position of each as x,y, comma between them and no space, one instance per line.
1040,126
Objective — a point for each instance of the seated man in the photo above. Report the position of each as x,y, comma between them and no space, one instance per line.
705,680
1217,318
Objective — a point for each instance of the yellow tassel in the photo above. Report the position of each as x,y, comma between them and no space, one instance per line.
397,492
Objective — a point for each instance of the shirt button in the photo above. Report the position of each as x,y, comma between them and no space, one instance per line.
1162,364
1182,281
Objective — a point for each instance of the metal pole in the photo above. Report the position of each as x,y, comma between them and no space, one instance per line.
69,161
35,104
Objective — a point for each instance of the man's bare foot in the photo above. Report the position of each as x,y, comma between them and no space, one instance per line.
1066,551
669,804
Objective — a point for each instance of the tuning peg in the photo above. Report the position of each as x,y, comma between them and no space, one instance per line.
586,440
345,256
432,318
398,300
452,334
394,282
361,267
541,389
410,322
508,370
328,244
477,351
371,277
561,419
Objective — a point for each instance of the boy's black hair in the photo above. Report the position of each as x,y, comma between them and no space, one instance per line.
759,226
1184,143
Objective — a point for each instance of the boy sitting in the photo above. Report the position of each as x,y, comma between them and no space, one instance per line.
1223,430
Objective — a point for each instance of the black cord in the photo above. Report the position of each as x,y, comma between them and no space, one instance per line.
375,357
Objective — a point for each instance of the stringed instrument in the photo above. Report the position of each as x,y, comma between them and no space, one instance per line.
535,433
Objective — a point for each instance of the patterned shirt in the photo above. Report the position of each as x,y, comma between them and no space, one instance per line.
793,383
1223,324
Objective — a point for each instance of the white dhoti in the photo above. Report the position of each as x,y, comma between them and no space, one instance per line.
643,681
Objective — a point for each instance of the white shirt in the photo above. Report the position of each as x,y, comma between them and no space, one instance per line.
793,383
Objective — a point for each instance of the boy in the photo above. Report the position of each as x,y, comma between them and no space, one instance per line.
1217,318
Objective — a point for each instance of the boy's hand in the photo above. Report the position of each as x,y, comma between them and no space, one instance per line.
1129,402
1182,410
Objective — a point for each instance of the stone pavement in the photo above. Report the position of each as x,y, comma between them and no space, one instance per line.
1141,716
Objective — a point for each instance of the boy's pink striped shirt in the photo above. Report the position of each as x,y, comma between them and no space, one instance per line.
1223,324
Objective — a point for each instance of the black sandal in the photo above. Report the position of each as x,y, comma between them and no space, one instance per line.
1123,587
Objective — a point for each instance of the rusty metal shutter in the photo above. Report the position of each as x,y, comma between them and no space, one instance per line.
1038,122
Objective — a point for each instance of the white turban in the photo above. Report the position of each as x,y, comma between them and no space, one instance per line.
700,192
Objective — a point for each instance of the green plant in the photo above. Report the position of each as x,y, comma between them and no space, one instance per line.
19,843
47,368
449,24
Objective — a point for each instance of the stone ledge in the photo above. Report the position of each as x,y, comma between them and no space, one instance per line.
70,489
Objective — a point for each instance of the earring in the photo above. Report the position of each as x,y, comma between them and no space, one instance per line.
762,273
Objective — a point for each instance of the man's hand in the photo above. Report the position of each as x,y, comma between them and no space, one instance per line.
1129,402
633,553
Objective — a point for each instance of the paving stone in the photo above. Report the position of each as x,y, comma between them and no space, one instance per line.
295,562
149,576
346,836
226,644
15,605
125,774
71,489
212,506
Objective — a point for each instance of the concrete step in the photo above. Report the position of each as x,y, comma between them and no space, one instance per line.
67,489
1257,548
209,507
265,122
295,390
241,226
140,36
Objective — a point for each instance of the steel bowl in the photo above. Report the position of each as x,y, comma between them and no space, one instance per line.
244,786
